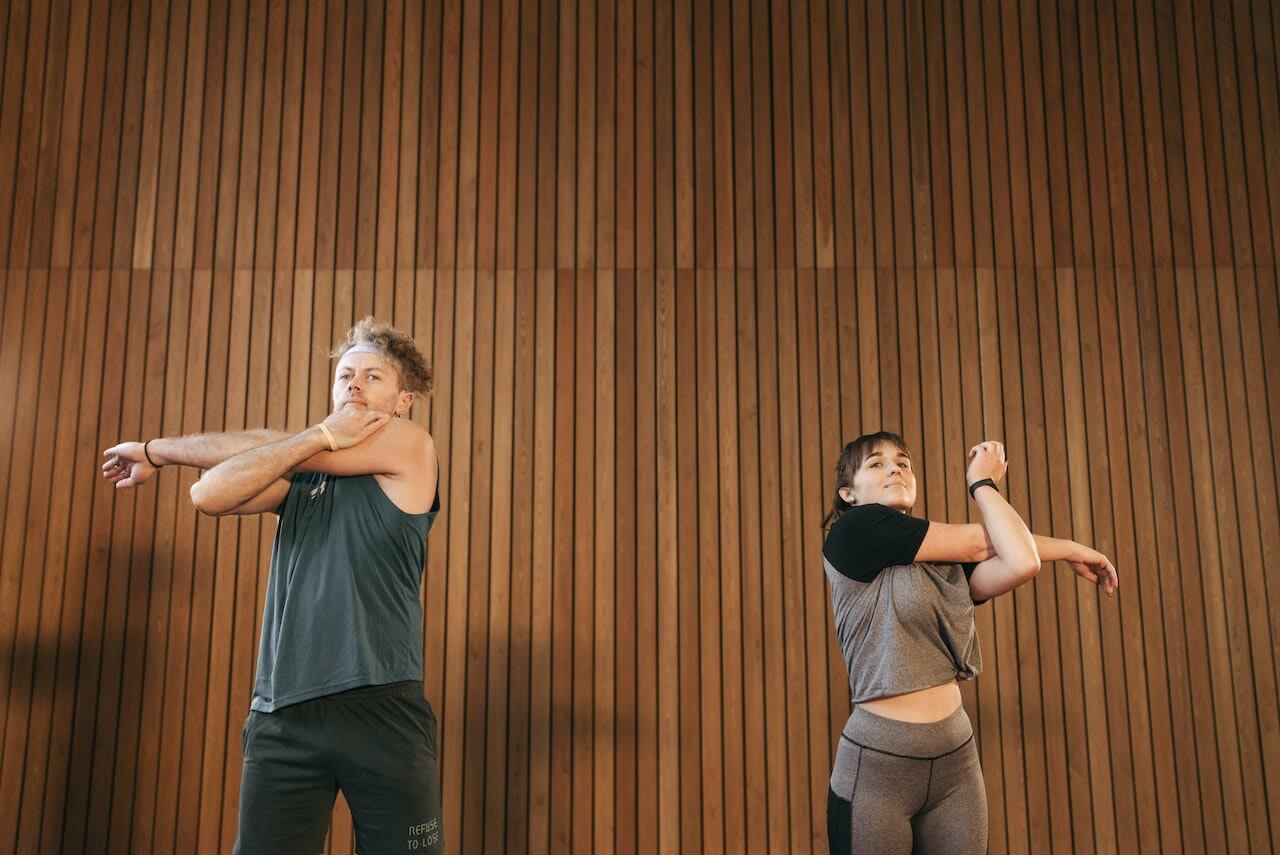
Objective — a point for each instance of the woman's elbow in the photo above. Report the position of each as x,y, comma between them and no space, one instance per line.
1027,568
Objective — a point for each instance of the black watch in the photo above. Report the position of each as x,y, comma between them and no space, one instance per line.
985,482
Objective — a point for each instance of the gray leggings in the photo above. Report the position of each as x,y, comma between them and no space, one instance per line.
901,787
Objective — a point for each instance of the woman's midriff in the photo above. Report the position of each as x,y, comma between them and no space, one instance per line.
922,707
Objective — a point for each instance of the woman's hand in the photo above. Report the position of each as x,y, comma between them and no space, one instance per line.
353,424
987,460
127,465
1091,565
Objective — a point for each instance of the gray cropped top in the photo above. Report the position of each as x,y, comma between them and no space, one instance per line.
902,625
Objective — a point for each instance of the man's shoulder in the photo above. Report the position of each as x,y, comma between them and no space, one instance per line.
407,429
413,439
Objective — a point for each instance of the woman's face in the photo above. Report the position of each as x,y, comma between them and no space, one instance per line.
884,478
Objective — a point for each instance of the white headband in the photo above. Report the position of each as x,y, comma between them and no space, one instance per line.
365,347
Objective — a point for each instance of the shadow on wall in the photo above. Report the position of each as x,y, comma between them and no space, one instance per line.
101,755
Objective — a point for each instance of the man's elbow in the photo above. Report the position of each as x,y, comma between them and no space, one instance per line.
205,500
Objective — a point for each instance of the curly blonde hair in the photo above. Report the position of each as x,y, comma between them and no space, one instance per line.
396,346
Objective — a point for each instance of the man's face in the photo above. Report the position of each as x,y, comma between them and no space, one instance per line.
367,380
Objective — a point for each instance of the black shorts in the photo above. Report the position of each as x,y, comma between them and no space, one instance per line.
377,744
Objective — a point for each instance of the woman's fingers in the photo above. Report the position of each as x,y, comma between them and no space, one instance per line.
1101,573
989,446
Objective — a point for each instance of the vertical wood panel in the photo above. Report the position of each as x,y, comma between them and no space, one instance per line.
666,258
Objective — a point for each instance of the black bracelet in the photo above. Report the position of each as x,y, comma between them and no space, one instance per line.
147,454
985,482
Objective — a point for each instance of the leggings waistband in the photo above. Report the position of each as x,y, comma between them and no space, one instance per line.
916,740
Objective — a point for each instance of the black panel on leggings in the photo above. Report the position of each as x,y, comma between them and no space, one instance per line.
839,830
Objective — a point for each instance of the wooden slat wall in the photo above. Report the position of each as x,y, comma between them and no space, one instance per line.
666,257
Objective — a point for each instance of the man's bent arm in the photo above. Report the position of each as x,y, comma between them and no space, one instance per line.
238,479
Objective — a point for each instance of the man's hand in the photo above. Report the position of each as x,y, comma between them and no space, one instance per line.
127,465
354,424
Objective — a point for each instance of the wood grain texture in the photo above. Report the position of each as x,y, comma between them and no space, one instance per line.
666,257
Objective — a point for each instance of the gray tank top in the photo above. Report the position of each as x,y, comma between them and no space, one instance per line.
342,605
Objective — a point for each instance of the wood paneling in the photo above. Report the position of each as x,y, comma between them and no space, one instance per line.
666,256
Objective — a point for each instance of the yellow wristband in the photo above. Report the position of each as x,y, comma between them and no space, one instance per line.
324,429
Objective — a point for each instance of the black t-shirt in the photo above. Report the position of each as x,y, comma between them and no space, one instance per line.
868,538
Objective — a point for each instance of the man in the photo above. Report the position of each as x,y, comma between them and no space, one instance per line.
338,699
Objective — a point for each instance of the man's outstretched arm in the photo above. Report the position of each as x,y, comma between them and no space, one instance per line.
207,450
127,464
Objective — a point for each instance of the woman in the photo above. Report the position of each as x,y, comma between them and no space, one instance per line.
906,775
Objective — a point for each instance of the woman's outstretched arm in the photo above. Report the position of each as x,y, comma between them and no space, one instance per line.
1089,564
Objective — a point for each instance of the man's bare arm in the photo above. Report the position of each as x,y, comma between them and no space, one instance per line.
207,450
130,464
241,478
